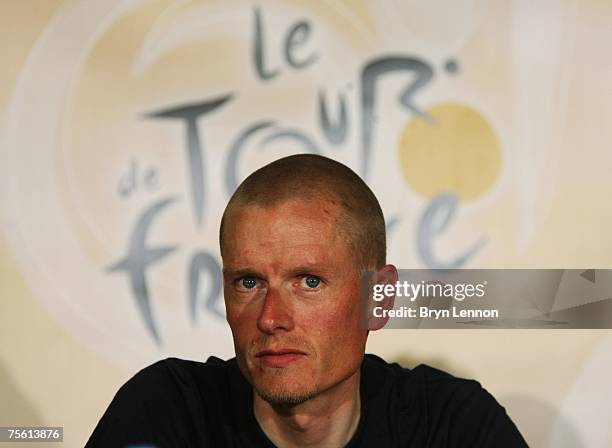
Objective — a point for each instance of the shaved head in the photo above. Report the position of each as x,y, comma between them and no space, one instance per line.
319,179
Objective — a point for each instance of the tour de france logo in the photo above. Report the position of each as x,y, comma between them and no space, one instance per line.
131,124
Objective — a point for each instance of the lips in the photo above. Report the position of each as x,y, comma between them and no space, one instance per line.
279,358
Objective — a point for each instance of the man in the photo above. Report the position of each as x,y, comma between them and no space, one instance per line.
296,238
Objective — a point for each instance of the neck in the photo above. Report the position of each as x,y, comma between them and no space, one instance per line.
328,419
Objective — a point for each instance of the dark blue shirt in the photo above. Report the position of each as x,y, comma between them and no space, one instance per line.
179,403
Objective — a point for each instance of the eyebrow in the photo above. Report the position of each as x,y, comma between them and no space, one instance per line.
310,269
314,269
245,272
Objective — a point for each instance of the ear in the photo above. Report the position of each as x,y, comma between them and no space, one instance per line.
387,277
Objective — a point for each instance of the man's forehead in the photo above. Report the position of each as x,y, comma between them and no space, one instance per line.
301,227
301,211
290,263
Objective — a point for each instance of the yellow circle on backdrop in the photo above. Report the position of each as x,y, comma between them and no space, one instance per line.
457,153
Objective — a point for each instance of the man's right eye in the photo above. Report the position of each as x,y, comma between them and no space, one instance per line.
247,283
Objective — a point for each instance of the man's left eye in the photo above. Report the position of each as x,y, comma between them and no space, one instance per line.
311,281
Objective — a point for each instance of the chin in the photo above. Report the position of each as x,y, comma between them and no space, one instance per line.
285,397
283,391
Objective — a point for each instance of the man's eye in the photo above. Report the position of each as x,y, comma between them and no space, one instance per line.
311,281
248,282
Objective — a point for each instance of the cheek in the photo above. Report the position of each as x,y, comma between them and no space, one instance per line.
236,310
238,323
336,330
344,322
344,311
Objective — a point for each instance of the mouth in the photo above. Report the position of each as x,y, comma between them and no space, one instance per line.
279,358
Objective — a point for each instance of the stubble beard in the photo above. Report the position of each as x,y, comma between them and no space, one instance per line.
284,396
289,392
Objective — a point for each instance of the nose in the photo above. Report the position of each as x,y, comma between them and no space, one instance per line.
276,314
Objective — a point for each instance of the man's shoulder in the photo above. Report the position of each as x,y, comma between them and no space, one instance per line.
447,407
432,382
213,366
170,375
172,399
443,384
176,369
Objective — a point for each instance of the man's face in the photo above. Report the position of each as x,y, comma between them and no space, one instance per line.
292,298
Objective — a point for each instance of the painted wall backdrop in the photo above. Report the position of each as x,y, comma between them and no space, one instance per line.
483,126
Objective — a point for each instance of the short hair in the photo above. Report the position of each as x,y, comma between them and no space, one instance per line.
308,176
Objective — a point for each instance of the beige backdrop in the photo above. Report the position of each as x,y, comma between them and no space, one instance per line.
507,113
